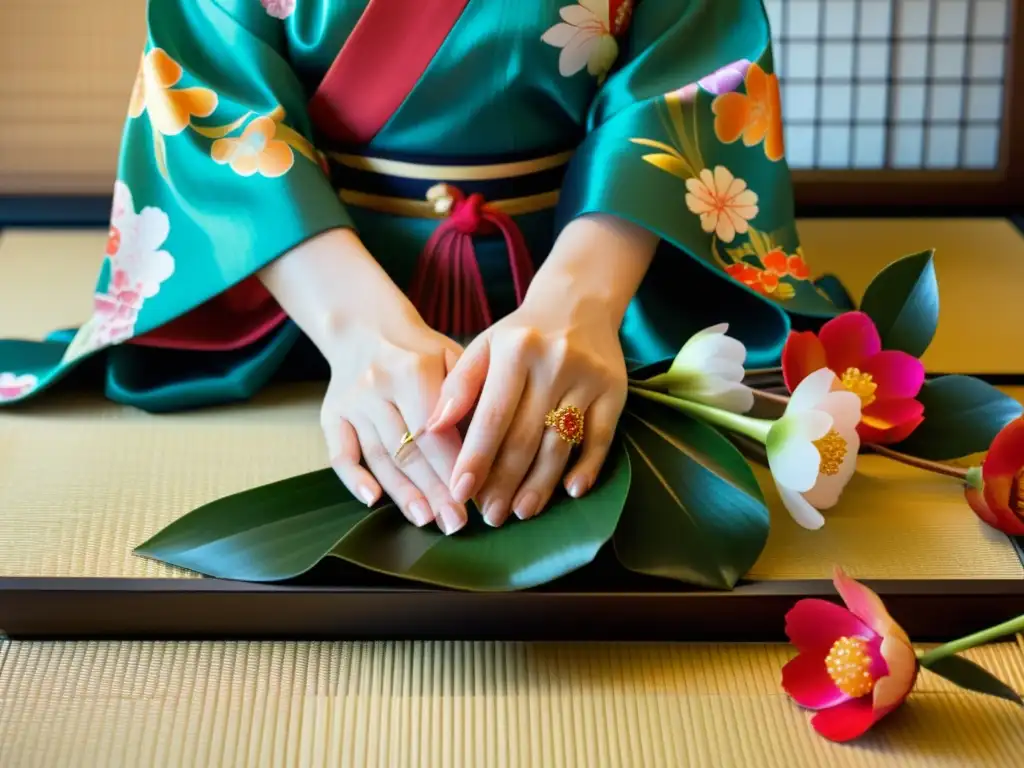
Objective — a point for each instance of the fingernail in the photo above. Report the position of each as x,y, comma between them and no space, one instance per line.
446,411
577,487
451,520
367,495
421,514
464,488
495,513
527,506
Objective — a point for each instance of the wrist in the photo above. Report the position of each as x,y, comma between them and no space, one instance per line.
596,259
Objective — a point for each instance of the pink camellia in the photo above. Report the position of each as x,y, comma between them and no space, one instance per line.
887,381
856,665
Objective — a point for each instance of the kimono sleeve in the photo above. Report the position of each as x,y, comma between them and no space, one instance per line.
217,177
685,138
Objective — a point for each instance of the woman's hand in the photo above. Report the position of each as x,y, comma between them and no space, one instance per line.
387,369
560,348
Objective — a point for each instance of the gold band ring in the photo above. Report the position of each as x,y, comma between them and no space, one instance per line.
407,438
567,421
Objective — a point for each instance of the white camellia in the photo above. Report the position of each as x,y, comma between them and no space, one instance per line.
708,369
812,449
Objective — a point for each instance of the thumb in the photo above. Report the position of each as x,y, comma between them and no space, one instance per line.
462,386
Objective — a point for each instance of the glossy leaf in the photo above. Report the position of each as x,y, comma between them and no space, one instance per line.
519,555
962,416
695,512
969,675
903,301
270,533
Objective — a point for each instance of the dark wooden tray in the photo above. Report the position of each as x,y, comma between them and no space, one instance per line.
600,602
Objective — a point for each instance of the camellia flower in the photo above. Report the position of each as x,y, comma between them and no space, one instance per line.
709,369
812,449
886,381
995,490
856,665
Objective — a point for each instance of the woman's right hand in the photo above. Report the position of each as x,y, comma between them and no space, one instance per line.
386,382
387,368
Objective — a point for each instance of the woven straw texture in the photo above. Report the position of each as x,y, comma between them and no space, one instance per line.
114,476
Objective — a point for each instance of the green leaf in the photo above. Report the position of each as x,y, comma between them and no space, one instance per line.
695,512
270,533
519,555
969,675
962,416
903,301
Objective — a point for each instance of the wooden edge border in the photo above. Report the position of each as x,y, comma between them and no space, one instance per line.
211,609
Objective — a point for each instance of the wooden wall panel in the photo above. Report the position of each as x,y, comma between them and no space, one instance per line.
66,72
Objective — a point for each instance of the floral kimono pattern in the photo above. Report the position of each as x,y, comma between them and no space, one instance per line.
255,125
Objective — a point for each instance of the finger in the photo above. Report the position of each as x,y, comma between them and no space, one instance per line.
413,463
343,453
498,404
549,466
515,457
461,386
400,488
599,433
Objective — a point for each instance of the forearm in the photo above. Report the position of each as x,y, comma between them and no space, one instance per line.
596,258
331,282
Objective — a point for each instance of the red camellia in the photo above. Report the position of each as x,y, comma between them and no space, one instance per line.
887,381
856,664
995,490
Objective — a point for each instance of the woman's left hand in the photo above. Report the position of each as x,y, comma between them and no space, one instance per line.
559,349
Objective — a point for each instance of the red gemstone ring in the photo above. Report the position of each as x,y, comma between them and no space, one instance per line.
567,421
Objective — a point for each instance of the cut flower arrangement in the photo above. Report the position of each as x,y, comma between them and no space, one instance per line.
678,498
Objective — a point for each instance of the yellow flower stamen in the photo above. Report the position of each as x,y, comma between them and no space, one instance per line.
861,384
832,448
849,666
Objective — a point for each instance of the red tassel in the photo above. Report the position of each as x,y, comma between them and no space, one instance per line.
448,288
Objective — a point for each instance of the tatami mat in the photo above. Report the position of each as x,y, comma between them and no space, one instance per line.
81,481
419,705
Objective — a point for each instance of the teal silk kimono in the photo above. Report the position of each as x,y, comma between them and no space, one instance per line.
457,137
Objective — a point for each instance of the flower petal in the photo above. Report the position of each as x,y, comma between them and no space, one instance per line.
844,408
847,721
811,391
814,625
897,374
866,605
891,690
890,421
792,456
803,514
802,355
738,398
976,501
732,110
1006,454
805,678
576,52
849,340
559,35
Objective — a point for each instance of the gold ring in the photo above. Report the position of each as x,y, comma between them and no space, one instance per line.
407,438
567,421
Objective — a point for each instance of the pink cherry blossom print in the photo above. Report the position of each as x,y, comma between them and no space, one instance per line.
279,9
724,80
14,386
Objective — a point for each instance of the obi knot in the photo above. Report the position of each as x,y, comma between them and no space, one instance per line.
447,288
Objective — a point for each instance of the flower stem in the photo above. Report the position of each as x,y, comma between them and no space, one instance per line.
755,429
971,641
937,467
762,372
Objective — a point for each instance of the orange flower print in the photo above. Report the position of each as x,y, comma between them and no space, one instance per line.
255,151
779,264
170,110
723,202
755,115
